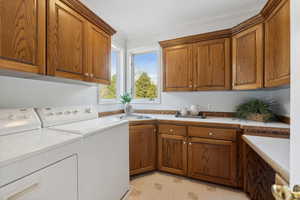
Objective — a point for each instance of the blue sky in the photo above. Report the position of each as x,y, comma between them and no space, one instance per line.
146,63
114,60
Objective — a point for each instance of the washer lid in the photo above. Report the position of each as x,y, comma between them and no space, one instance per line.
18,120
26,144
90,126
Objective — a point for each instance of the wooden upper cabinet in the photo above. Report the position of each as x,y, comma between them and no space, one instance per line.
67,56
99,55
212,160
142,148
172,154
247,59
277,46
212,65
177,68
23,35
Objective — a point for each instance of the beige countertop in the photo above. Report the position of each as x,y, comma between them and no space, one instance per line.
275,151
221,120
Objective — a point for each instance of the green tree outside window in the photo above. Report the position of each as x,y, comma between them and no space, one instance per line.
144,88
109,91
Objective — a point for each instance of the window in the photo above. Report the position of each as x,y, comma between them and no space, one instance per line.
144,84
110,93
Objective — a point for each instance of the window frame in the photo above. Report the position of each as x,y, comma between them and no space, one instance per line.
120,78
130,74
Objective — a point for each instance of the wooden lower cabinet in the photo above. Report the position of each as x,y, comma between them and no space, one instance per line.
172,154
258,176
142,148
212,160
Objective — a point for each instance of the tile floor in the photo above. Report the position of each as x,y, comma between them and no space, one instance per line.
161,186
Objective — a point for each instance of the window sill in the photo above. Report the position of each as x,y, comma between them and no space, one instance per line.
146,101
112,102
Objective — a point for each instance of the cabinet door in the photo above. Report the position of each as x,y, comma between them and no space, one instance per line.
99,55
258,175
212,160
277,46
142,148
172,154
66,42
178,68
247,59
23,35
212,65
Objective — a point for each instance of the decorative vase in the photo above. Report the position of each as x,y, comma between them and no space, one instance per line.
128,109
194,110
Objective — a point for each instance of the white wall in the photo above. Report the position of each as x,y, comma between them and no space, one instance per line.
222,101
17,92
282,98
295,94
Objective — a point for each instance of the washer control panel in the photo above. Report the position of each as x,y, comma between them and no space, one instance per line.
17,120
54,116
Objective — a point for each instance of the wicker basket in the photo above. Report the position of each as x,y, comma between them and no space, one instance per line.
257,117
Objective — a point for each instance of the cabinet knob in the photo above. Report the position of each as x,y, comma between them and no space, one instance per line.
171,130
184,142
190,143
91,75
191,86
86,74
210,134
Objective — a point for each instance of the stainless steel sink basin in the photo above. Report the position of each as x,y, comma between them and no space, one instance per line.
134,117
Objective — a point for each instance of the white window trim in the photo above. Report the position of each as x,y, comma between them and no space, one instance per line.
120,78
130,74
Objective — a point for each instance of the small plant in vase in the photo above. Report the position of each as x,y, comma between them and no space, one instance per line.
256,110
126,100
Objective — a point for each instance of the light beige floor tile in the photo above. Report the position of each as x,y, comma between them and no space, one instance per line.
161,186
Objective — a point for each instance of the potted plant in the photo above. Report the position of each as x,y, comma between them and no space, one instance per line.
125,100
256,110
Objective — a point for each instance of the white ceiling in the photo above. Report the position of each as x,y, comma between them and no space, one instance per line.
136,18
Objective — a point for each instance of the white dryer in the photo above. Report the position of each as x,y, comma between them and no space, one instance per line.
104,158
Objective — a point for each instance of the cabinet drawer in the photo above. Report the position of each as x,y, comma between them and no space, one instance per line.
212,133
172,129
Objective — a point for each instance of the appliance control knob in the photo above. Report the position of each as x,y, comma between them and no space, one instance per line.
75,111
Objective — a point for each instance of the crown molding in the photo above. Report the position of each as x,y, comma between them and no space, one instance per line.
196,38
268,9
90,15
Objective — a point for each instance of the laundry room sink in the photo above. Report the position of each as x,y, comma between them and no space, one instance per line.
134,117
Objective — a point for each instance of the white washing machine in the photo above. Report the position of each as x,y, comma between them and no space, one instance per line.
104,158
35,163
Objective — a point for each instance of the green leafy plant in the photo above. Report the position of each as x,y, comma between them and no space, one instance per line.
126,98
144,88
255,108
